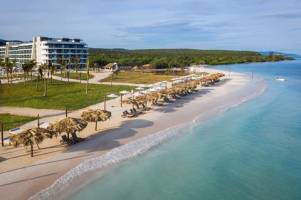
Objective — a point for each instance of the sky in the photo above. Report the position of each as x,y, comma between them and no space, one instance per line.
259,25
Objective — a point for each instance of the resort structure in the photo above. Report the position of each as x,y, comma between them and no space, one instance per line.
45,50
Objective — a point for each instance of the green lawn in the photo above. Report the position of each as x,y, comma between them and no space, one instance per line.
77,76
11,121
60,95
138,77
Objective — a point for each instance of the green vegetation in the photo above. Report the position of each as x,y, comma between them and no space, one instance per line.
11,121
60,95
138,77
77,76
169,58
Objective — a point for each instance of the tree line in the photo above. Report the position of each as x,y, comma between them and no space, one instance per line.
171,58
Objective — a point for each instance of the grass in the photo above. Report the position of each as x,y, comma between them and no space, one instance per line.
139,77
60,95
73,75
12,121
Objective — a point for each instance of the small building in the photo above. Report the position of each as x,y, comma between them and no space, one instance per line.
111,66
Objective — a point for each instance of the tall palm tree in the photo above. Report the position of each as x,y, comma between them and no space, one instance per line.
87,83
8,68
62,64
27,67
42,68
52,70
1,66
76,62
31,65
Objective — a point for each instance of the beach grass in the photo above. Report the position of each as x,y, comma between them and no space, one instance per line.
60,95
74,75
138,77
11,121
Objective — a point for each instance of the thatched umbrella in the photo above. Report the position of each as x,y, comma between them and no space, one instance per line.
69,125
96,115
30,137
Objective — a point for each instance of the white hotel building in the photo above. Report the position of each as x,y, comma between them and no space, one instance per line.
44,49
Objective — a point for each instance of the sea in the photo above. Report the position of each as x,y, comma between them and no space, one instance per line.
250,152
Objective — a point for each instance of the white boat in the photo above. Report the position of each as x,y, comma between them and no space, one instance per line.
280,79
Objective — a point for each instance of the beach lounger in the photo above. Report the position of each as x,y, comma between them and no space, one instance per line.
65,140
76,139
128,115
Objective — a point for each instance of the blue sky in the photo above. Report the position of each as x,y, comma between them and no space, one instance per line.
202,24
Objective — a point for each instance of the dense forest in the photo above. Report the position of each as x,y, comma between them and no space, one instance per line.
170,58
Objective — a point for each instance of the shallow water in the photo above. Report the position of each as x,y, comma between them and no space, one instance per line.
250,152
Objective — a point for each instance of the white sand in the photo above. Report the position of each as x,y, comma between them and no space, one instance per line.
21,177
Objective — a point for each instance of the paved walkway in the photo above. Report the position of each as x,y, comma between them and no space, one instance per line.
33,112
98,76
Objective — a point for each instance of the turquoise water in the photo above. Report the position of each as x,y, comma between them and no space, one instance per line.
250,152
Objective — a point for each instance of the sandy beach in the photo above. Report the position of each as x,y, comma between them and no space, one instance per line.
22,176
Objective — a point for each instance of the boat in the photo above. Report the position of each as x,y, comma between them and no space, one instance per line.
280,79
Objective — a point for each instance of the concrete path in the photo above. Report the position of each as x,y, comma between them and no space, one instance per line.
33,112
98,76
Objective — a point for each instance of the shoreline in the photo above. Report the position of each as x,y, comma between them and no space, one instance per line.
205,104
79,176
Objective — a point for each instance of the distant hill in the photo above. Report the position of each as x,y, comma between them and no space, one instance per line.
292,55
3,42
173,51
167,58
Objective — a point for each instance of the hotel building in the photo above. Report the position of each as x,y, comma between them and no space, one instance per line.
44,49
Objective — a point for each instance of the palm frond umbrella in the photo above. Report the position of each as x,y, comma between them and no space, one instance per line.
69,125
30,137
95,116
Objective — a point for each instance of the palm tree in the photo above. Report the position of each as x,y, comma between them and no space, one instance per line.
27,67
8,68
62,64
87,76
52,70
95,116
1,65
14,62
31,65
43,67
76,63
